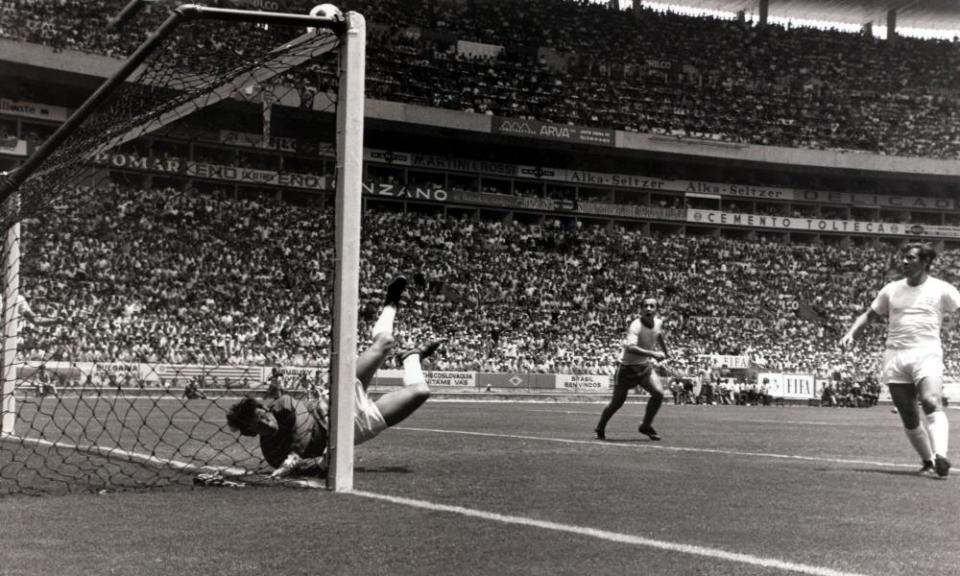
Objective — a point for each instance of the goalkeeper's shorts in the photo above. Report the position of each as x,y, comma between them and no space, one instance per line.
368,422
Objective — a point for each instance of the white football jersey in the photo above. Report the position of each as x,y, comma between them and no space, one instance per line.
915,313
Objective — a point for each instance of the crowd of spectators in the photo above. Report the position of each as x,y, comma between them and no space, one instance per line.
846,392
167,276
720,391
659,73
839,389
571,61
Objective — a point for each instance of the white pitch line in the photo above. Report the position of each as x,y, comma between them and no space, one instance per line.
690,549
651,446
817,423
761,421
548,411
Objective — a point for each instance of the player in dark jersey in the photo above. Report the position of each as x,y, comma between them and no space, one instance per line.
285,425
638,368
293,432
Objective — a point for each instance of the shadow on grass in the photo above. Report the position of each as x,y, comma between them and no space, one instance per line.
626,441
889,472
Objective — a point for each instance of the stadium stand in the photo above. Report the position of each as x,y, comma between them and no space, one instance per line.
159,260
166,276
575,62
204,254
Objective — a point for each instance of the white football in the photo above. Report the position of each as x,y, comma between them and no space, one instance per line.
327,11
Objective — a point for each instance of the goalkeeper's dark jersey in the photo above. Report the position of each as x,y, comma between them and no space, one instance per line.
302,428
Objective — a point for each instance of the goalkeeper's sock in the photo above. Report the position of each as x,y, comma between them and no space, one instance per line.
938,427
412,371
920,442
385,321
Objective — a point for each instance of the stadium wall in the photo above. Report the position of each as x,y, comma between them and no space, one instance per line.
129,376
792,157
238,175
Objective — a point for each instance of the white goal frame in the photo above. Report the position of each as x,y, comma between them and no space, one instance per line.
349,184
350,114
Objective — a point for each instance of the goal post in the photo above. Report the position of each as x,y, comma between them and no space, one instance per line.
11,292
347,291
48,446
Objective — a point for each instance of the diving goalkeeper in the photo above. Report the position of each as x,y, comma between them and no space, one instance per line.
293,432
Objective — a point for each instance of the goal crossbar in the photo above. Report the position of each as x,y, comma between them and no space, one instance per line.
182,13
258,77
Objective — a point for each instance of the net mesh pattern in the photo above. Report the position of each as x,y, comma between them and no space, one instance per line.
133,259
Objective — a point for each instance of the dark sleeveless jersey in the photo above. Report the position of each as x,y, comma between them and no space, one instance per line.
302,428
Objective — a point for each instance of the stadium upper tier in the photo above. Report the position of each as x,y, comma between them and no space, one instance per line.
135,275
567,61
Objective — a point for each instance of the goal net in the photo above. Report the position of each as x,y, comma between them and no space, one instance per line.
169,250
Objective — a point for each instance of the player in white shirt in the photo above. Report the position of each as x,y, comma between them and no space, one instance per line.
915,307
638,363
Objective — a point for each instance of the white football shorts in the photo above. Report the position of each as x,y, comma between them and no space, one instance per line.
368,422
911,365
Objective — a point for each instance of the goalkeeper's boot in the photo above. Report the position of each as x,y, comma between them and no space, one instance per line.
649,432
941,465
929,469
425,350
395,291
599,434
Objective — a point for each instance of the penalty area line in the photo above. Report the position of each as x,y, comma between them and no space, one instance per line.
658,446
618,537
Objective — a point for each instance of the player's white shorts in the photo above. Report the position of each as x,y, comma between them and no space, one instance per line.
368,422
910,365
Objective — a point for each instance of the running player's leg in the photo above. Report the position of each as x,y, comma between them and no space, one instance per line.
901,373
371,359
904,398
398,405
651,383
621,387
930,396
616,402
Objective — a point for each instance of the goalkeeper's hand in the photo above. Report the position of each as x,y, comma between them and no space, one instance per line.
294,465
289,466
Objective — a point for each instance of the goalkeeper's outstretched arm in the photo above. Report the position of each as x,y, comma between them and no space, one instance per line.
295,465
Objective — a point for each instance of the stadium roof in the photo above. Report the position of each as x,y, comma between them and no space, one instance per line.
941,15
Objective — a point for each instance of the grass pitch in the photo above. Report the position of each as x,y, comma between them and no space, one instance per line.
522,488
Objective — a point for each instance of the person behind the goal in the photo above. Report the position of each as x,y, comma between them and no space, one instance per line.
193,391
293,432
